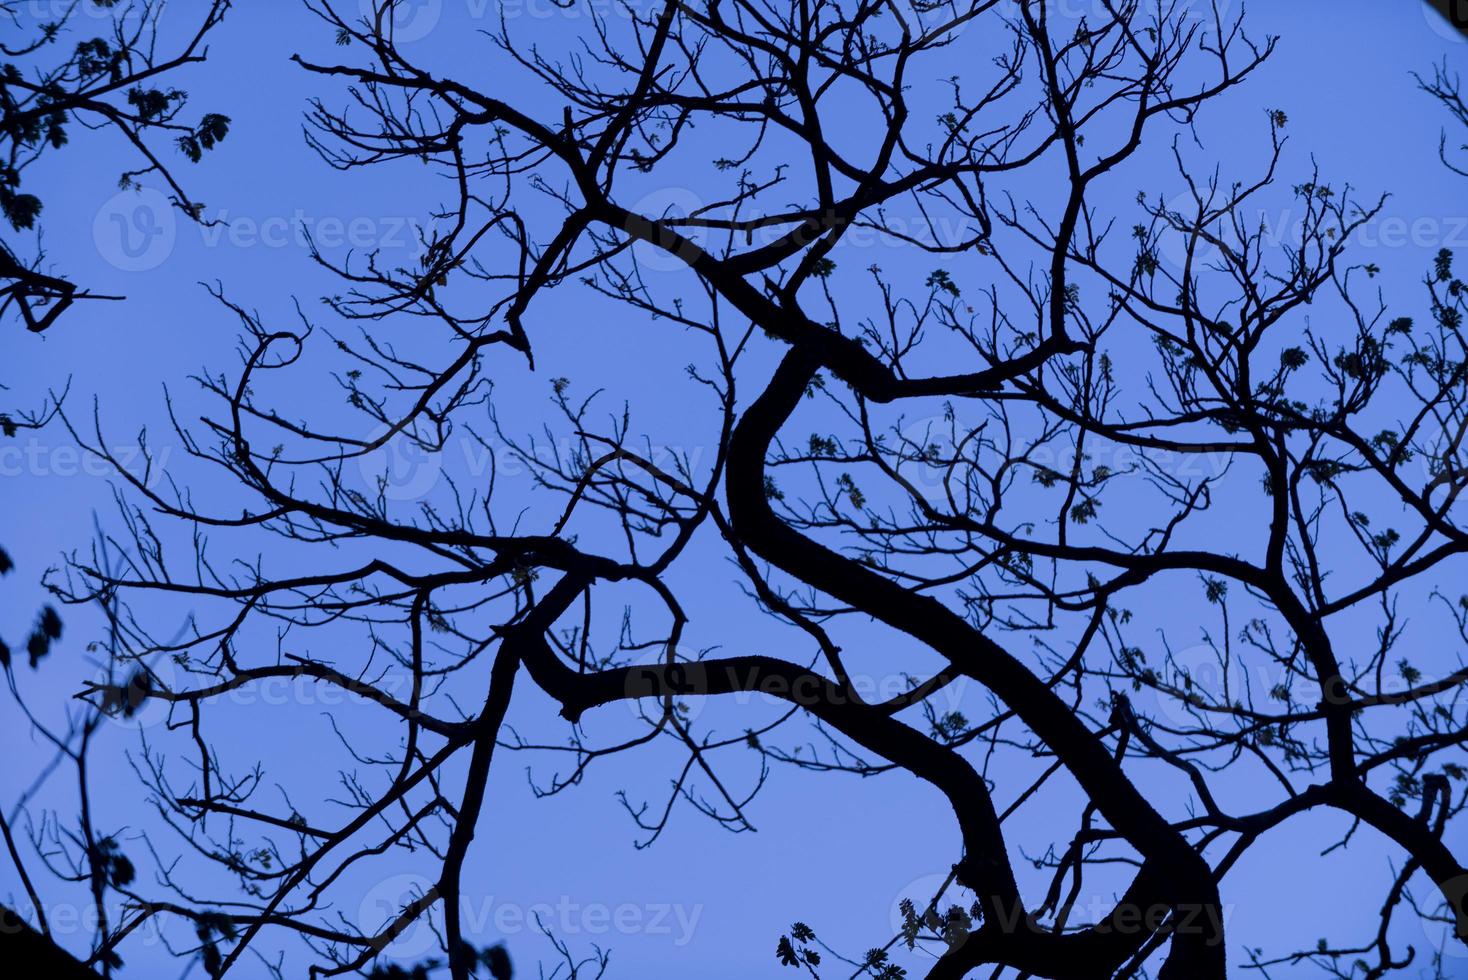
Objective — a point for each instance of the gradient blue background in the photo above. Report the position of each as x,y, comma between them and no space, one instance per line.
834,851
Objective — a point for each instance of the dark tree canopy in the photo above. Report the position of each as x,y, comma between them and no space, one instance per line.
1020,459
54,79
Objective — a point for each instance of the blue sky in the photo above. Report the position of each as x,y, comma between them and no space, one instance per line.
834,851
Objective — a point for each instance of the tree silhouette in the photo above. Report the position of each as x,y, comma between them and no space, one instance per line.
118,80
1091,455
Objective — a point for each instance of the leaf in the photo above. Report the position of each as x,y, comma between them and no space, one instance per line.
50,623
213,128
20,210
37,647
497,960
151,103
119,872
940,279
126,700
1293,357
190,148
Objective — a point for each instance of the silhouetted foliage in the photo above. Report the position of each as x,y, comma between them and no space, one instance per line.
53,80
1150,483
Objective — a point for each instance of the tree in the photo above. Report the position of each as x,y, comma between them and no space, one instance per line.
1130,423
116,82
120,82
